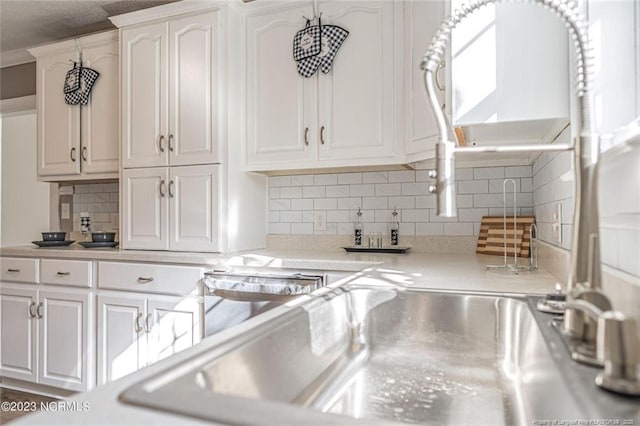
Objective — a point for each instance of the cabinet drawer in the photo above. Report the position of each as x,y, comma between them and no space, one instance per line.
66,272
19,270
149,277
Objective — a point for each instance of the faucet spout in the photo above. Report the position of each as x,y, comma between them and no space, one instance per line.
585,262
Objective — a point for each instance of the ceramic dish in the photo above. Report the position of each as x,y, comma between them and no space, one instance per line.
103,237
359,249
98,244
53,236
53,243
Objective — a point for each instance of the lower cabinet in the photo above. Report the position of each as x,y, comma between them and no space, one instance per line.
136,330
46,336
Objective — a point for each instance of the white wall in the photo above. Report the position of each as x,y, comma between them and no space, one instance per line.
25,207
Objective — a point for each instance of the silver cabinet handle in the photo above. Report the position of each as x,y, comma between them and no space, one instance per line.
63,274
171,143
13,270
171,189
306,136
72,154
39,313
161,143
322,135
136,325
84,153
161,186
32,312
147,326
145,279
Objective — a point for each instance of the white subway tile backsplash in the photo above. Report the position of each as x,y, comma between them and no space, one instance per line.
369,203
488,172
349,178
302,180
499,185
518,171
293,200
367,190
337,191
388,189
526,184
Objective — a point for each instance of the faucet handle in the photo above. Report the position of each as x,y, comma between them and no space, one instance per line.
618,348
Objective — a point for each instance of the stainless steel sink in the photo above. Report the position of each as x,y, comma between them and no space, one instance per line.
374,355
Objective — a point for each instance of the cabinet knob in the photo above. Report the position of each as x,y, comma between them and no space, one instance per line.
14,270
171,189
63,274
32,310
322,135
306,136
72,154
39,313
136,324
84,153
147,324
161,188
171,143
145,279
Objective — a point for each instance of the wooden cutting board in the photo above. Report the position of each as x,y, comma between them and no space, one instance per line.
492,236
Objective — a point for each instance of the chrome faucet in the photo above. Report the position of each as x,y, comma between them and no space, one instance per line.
584,280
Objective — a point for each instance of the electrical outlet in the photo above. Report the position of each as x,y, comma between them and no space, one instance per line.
319,221
556,224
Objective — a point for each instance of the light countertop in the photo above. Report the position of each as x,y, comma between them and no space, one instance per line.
464,272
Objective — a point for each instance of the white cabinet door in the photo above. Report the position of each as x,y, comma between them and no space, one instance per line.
121,337
421,19
144,96
193,74
175,324
195,208
18,338
65,350
145,209
281,105
358,98
100,141
58,123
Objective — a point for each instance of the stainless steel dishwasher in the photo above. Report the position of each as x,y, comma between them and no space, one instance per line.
231,298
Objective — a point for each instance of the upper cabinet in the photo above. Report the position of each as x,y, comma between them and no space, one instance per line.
77,142
169,95
349,116
510,64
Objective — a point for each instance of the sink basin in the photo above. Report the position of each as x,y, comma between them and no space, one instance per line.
380,355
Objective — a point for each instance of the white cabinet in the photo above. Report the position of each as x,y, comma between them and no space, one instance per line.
136,330
421,19
77,142
46,336
173,208
18,336
348,117
65,343
169,92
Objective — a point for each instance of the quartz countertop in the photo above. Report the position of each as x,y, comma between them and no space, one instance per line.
450,272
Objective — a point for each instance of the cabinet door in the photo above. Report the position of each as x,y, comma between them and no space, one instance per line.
58,123
281,105
100,141
421,21
195,208
65,350
174,324
145,209
193,110
18,339
357,98
121,337
144,96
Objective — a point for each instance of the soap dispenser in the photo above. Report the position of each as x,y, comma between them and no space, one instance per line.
357,229
395,226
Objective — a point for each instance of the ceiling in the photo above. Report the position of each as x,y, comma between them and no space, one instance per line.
28,23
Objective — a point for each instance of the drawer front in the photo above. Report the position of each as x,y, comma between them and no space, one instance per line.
20,270
75,273
150,277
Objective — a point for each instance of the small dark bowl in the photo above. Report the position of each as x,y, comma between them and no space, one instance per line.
53,236
103,237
